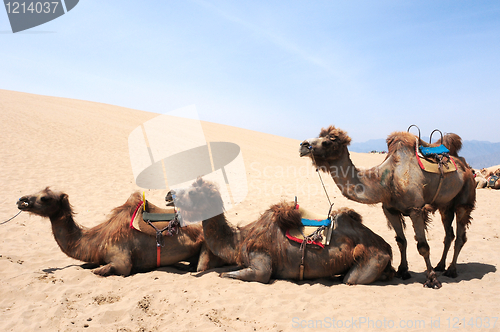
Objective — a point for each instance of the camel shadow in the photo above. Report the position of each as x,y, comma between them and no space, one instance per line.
466,272
218,270
178,268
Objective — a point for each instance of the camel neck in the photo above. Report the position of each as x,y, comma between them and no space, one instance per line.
221,238
363,186
67,234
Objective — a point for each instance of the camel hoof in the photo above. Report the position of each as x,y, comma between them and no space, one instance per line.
103,271
451,273
403,275
434,284
432,281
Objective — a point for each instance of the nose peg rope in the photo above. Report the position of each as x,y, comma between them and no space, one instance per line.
6,221
320,178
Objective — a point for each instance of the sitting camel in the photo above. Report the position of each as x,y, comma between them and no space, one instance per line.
488,178
404,190
121,249
479,178
263,250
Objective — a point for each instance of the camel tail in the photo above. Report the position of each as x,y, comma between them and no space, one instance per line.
453,142
286,216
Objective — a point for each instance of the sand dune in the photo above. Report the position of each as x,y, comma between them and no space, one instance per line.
81,148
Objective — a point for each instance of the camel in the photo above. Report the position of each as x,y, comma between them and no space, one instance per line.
120,249
479,178
404,190
488,178
262,250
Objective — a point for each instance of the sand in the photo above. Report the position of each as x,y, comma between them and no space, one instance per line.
81,148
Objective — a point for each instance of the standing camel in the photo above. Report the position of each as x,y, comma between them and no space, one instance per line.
263,251
114,244
403,189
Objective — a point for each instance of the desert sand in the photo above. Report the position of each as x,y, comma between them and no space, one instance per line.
81,148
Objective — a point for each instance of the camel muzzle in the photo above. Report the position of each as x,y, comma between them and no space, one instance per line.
23,203
305,148
169,199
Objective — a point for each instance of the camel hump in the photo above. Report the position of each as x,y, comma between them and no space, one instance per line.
134,198
286,216
351,213
400,138
453,142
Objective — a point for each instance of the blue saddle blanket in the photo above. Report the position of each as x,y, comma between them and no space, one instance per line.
426,151
317,223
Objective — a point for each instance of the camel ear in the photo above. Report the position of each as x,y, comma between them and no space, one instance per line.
64,201
338,136
343,138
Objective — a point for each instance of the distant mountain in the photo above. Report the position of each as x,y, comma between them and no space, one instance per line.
481,154
478,154
369,146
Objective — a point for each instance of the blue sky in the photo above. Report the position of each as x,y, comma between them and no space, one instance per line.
287,68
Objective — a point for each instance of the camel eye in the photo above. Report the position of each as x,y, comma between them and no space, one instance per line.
326,143
45,199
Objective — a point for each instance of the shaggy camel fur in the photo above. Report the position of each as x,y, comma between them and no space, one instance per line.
263,250
113,243
404,189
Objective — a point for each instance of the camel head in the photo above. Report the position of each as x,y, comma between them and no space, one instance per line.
46,203
202,200
330,145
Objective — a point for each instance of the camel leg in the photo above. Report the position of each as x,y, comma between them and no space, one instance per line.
447,216
396,221
207,259
463,220
419,217
260,269
367,272
121,268
120,263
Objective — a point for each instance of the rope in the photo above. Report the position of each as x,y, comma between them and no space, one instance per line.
321,179
6,221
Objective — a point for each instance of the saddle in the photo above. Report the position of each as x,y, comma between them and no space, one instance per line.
312,223
492,180
433,159
149,217
317,231
155,222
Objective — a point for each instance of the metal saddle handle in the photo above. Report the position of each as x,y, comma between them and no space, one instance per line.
430,138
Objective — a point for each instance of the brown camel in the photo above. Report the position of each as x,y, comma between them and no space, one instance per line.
488,178
403,189
479,178
113,243
263,250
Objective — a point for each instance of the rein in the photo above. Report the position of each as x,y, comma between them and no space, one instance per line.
321,179
6,221
173,226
